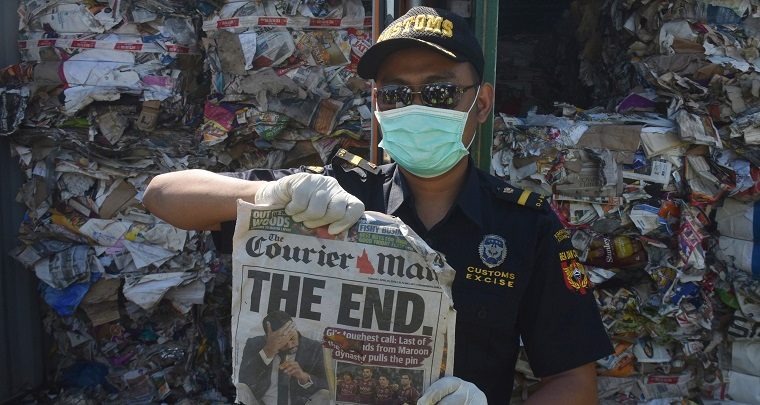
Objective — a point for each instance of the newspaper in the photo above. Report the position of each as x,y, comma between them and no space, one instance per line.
362,317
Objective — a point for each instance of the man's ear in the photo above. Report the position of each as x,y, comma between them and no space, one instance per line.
485,101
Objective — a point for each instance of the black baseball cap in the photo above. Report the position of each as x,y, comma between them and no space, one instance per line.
440,30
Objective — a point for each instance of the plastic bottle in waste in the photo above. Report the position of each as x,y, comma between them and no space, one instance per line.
618,251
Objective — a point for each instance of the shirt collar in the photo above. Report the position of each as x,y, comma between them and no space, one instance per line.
399,191
468,200
470,196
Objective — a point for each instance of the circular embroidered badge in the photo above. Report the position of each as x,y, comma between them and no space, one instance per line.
493,250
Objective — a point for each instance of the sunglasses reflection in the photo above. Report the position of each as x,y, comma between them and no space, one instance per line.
437,95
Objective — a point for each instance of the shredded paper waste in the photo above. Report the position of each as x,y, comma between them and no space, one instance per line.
658,186
110,93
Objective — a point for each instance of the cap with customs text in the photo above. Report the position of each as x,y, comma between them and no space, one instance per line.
438,29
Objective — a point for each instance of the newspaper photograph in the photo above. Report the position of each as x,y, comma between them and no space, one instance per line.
362,317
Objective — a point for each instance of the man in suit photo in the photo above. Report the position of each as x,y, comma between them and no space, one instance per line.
283,367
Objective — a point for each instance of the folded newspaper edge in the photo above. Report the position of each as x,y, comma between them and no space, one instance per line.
312,312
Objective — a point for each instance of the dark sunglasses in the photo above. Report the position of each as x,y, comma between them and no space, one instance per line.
438,95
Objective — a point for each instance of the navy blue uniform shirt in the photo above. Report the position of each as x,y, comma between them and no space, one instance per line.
517,274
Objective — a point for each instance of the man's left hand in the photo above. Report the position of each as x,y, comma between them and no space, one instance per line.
293,369
453,391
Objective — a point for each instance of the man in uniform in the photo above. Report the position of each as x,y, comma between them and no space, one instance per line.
367,387
408,395
385,394
347,388
514,262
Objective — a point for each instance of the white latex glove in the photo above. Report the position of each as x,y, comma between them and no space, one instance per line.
453,391
313,199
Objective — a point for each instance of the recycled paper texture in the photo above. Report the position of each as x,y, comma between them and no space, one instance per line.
353,318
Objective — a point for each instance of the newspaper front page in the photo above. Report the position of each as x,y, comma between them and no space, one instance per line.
363,317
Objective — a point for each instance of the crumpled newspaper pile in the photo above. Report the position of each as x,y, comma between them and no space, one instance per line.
135,306
695,62
659,189
284,73
107,95
110,93
695,55
109,65
664,223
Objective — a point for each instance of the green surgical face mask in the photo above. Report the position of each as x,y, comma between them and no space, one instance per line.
425,141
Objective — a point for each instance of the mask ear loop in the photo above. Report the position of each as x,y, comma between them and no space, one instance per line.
468,114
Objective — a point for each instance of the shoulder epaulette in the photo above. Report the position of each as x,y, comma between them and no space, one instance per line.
519,196
315,169
357,161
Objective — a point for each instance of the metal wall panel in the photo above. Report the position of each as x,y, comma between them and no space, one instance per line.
21,352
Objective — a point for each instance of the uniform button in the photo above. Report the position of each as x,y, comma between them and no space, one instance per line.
483,313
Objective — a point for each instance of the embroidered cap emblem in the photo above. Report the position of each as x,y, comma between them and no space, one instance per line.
493,250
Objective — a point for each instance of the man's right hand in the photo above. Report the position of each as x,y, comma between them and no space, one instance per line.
313,199
279,338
